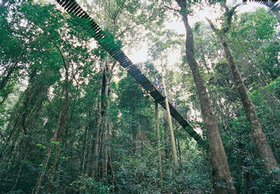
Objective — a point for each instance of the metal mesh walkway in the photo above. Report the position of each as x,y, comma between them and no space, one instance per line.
108,43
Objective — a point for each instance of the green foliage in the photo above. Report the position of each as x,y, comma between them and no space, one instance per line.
39,44
247,169
139,174
267,104
27,173
261,22
256,51
41,146
38,49
255,47
87,184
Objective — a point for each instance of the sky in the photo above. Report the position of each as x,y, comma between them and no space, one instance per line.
141,55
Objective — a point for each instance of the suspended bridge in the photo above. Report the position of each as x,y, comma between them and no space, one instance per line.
107,42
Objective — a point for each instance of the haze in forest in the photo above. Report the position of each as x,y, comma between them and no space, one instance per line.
141,55
151,96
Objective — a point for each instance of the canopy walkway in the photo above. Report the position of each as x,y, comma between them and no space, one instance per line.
107,42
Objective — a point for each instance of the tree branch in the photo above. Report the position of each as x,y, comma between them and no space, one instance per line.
211,25
124,31
170,8
229,14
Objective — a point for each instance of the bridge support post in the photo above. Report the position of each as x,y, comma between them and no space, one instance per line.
158,144
174,152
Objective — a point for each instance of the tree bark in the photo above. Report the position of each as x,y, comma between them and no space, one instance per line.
158,145
101,160
221,173
58,133
43,171
26,112
262,146
6,75
60,129
96,141
172,138
84,148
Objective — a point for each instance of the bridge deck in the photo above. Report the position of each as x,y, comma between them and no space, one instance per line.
108,43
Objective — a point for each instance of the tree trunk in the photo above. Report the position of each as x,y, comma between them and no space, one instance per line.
263,149
167,142
104,154
59,134
26,112
96,141
105,107
172,138
158,145
6,75
262,146
101,160
56,139
84,150
43,171
60,128
221,173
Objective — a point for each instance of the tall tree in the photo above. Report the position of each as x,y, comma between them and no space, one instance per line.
221,171
100,150
263,149
36,116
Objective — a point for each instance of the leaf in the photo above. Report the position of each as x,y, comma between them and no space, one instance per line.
55,142
41,146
